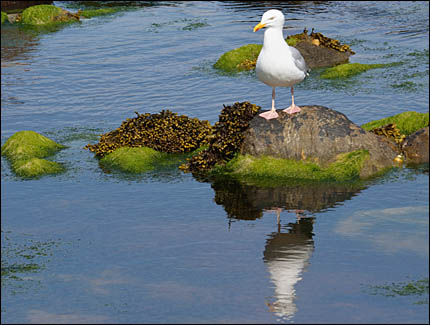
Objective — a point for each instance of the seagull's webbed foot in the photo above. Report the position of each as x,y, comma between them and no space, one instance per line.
292,109
269,114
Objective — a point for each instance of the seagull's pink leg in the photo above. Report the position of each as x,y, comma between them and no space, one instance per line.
293,108
272,113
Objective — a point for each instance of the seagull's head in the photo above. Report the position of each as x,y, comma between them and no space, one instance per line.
271,18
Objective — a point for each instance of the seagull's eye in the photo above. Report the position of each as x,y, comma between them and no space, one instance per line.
271,18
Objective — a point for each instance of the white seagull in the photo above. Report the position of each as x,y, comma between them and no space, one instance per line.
278,65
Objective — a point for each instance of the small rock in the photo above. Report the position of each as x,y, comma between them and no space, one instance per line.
416,146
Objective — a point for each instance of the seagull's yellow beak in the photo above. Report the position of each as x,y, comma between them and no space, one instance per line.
259,26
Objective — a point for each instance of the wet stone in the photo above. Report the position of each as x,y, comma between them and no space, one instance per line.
316,134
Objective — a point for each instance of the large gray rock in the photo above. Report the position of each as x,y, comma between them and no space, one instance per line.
416,147
317,134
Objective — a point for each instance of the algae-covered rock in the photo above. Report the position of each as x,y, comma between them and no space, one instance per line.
317,50
4,17
46,14
97,12
29,144
407,122
272,171
24,149
239,59
226,139
140,160
165,132
34,167
321,136
351,69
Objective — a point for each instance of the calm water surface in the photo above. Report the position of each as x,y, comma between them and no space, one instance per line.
92,247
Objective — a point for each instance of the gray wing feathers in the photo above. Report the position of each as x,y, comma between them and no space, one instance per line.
298,60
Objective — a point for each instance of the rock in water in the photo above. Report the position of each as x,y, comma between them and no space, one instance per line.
416,146
316,134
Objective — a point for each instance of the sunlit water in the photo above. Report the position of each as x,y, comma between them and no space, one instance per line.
167,248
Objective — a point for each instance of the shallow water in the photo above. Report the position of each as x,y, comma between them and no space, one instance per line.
93,247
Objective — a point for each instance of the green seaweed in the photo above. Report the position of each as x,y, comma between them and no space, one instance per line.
231,61
351,69
29,144
25,150
411,288
244,57
192,26
97,12
271,171
34,167
407,122
141,159
4,18
40,14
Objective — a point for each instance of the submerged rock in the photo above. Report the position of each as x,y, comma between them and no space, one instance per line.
318,135
416,147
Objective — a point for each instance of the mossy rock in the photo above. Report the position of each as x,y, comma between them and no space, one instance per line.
24,149
97,12
34,167
351,69
272,171
4,17
406,122
141,160
29,144
234,60
46,14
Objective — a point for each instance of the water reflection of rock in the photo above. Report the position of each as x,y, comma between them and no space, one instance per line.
16,44
248,202
287,250
286,256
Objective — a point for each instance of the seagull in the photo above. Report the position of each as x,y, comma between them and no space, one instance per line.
278,64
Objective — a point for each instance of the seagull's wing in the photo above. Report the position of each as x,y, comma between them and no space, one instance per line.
298,60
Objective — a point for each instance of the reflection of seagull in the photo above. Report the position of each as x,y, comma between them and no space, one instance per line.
278,64
286,256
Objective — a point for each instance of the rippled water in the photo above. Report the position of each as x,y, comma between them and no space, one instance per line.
165,247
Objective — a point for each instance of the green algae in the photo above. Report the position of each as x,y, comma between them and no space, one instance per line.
34,167
411,288
244,57
407,122
29,144
231,61
351,69
4,17
271,171
141,159
25,150
293,40
97,12
40,14
192,26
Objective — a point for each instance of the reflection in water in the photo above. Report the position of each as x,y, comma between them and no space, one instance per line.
286,256
16,43
247,202
288,250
